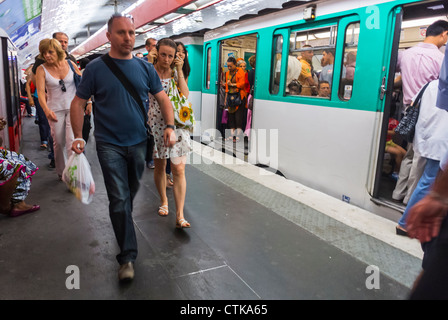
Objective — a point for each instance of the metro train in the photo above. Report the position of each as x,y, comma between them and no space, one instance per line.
333,144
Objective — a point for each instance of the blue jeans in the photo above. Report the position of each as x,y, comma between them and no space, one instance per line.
44,127
122,169
422,188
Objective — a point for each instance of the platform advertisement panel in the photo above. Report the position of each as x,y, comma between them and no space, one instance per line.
14,14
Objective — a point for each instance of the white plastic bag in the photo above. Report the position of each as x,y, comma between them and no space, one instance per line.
78,177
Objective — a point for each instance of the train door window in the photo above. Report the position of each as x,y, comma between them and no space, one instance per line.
311,62
349,62
276,64
207,71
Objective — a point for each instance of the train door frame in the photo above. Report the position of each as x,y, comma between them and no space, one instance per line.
220,97
387,87
220,74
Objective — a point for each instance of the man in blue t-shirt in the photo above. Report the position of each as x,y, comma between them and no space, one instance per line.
120,129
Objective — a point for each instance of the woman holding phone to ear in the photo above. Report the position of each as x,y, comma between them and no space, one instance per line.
169,64
182,54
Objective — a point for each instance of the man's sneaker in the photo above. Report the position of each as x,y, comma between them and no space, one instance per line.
126,272
52,165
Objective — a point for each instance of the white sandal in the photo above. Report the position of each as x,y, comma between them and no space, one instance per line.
163,210
182,223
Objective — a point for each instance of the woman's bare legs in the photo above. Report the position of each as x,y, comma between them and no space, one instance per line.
160,181
179,188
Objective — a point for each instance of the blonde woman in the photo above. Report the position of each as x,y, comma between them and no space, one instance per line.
167,57
57,78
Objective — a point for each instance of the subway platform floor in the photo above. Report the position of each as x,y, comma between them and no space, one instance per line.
254,236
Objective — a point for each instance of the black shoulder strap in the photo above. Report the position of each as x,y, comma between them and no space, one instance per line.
126,83
416,102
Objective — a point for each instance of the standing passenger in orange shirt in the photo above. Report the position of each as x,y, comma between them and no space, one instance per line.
235,82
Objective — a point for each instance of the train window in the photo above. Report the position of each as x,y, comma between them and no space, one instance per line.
207,74
310,62
276,64
349,63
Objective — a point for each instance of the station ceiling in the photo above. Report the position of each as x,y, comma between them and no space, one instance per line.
27,22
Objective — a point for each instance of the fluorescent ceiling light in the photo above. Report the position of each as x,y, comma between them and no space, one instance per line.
421,22
439,7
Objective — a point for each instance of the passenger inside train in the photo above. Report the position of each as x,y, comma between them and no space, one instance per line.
410,78
316,64
235,122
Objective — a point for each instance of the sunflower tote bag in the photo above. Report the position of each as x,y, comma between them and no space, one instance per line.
183,113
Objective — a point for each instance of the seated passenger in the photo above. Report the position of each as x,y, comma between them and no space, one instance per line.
323,89
394,149
15,181
306,77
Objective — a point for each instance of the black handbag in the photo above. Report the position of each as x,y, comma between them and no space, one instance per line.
406,127
233,99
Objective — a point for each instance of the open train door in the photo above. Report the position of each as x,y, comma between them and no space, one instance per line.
408,24
210,86
386,90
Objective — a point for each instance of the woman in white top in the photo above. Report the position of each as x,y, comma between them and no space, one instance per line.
166,58
57,78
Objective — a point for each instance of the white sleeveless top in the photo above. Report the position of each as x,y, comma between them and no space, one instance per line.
57,99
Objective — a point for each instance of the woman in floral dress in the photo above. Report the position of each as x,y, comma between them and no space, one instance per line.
13,193
166,58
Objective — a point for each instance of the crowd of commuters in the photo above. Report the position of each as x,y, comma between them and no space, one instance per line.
122,141
124,146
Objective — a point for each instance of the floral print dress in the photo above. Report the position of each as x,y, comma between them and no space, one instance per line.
183,145
9,162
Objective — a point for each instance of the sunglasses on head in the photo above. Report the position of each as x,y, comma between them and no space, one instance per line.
62,83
